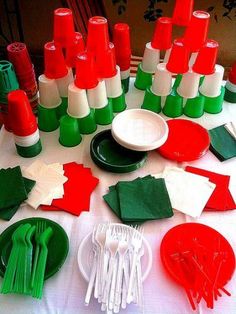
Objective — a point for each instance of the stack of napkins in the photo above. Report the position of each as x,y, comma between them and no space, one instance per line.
77,190
221,198
223,141
189,193
137,201
49,182
14,189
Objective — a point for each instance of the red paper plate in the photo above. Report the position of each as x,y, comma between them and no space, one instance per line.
204,242
187,141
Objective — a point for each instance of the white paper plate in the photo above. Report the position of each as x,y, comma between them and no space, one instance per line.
85,255
139,129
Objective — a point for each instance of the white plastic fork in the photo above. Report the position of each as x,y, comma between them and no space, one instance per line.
100,237
136,243
112,244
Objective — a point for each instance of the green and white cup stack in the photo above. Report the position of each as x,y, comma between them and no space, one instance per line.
115,91
78,108
212,90
50,101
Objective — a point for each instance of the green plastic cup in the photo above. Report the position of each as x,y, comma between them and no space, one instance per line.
194,107
151,101
118,103
87,125
173,106
30,151
62,108
47,119
143,79
104,116
8,80
177,81
230,96
69,131
125,84
214,104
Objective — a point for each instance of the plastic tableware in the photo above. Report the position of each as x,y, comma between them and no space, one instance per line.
139,129
56,253
98,37
121,40
151,58
204,240
75,47
183,11
162,81
109,155
48,92
85,252
162,38
63,26
86,74
187,141
18,55
69,131
54,62
106,62
179,57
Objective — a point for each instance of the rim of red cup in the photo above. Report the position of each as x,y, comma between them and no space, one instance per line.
26,123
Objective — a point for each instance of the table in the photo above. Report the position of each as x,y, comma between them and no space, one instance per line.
64,292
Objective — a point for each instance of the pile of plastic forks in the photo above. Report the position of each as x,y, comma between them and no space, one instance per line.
25,274
116,273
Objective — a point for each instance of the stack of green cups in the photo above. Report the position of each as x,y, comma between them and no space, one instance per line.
98,102
78,108
62,85
115,92
49,100
230,92
8,83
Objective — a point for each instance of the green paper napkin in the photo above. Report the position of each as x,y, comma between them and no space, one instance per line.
12,188
8,212
223,145
143,200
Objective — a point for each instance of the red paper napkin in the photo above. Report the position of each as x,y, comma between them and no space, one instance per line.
221,199
77,190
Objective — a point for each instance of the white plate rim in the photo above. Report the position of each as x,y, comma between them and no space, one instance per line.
137,147
85,239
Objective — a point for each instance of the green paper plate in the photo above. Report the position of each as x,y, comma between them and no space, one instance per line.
58,246
109,155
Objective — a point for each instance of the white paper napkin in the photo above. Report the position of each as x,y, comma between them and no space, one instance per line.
231,128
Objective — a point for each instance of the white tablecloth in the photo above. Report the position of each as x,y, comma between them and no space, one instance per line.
64,292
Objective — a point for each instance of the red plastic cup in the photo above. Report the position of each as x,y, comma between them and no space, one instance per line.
73,49
182,12
98,37
86,74
121,40
22,119
179,57
54,62
63,26
106,62
162,38
206,58
18,55
232,74
196,32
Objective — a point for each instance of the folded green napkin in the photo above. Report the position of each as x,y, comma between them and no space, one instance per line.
223,144
12,188
8,212
139,200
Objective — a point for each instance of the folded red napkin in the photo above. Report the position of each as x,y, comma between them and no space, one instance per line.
77,190
221,198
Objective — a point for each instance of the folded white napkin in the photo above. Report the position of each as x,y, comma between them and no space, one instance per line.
188,192
231,128
49,182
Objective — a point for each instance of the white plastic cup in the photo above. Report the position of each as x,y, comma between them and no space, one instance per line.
78,106
167,55
48,92
162,82
125,74
63,83
97,96
188,87
151,58
113,85
211,86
